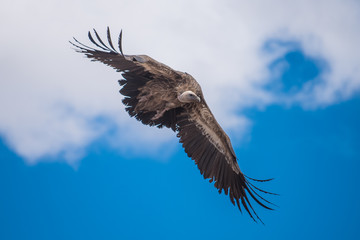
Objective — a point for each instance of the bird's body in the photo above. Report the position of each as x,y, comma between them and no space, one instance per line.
157,95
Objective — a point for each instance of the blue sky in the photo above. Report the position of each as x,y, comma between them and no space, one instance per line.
313,155
283,81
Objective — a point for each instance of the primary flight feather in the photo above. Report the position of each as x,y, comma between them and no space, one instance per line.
157,95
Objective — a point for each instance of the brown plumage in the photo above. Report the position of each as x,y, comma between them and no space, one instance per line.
157,95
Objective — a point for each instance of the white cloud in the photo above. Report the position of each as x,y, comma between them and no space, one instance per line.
50,96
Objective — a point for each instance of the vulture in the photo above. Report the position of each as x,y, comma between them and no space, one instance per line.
160,96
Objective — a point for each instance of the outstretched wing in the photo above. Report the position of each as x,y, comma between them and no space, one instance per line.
109,55
208,145
137,70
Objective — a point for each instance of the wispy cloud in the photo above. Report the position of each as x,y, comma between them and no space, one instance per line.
51,97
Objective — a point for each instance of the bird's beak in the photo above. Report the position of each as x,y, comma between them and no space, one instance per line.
198,99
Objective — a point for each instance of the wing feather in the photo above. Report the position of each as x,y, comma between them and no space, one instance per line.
102,43
109,56
109,39
213,162
136,73
95,43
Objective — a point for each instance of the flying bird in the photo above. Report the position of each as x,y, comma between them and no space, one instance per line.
160,96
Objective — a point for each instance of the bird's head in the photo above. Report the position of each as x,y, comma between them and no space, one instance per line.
188,97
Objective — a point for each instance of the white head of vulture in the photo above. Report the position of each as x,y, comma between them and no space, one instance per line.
157,95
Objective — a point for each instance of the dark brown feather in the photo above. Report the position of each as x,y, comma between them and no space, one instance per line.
148,81
212,164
